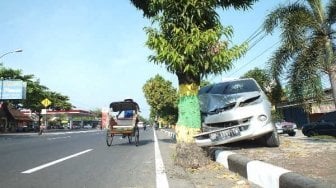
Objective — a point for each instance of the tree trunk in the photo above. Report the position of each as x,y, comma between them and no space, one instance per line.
332,78
189,117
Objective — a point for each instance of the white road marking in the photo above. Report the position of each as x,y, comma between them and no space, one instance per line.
70,132
54,162
59,137
161,177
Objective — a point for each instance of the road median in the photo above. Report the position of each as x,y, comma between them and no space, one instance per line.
261,173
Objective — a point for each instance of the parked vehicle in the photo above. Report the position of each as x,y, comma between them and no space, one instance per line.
285,127
87,126
235,110
326,125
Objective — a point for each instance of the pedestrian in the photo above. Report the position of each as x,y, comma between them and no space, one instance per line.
41,129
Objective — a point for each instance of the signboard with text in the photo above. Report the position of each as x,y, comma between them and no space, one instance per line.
13,89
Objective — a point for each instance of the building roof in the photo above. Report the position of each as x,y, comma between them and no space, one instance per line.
70,112
12,113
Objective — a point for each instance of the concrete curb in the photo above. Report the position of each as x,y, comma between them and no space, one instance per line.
171,134
264,174
261,173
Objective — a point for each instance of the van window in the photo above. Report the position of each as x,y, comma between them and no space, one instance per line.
232,87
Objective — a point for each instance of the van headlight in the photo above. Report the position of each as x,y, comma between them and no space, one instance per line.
213,136
262,118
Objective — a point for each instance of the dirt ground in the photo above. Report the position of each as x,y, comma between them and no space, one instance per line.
315,158
311,157
210,175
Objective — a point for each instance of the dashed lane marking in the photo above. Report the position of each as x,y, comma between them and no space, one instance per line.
54,162
61,137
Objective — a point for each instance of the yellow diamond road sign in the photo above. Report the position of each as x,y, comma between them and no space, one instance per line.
46,102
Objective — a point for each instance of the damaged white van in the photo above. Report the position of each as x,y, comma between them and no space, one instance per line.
233,111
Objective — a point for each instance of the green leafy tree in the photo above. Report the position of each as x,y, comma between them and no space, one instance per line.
144,120
35,92
60,102
162,98
97,113
188,38
307,46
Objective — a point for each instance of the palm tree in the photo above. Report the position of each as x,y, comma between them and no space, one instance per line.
191,42
307,46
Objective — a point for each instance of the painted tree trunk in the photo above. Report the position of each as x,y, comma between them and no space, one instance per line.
189,117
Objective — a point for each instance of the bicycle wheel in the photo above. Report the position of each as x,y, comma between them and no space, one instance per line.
136,135
109,138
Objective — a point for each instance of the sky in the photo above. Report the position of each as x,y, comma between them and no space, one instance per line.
94,51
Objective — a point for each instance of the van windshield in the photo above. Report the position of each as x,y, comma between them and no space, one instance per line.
232,87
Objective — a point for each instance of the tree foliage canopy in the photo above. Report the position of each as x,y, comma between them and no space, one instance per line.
307,49
188,37
162,98
35,92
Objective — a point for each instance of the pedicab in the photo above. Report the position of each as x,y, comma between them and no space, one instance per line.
123,121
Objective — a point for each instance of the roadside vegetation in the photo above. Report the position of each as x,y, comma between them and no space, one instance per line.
194,44
162,97
35,93
307,48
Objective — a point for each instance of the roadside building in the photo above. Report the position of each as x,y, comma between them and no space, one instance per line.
294,112
71,119
12,120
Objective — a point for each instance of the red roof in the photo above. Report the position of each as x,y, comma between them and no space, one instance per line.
17,115
72,112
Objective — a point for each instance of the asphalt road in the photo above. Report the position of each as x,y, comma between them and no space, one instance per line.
76,160
82,159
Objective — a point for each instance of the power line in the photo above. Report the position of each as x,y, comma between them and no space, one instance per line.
262,53
253,36
257,41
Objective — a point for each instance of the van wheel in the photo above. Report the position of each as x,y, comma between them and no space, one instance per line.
311,133
271,139
292,133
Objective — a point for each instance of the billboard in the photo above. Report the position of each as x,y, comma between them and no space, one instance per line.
13,89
